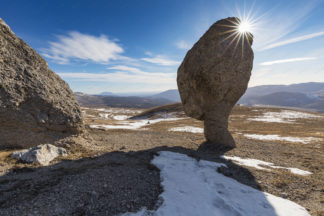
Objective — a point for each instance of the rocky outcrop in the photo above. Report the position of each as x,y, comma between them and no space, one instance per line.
214,75
42,154
36,105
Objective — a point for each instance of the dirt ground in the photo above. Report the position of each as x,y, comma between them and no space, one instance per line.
115,175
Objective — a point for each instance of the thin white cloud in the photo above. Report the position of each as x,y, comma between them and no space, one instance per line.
161,60
148,53
294,40
125,68
280,61
78,46
140,77
183,45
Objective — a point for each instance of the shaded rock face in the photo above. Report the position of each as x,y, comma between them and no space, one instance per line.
214,75
36,105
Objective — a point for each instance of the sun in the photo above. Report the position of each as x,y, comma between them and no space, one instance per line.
239,31
244,27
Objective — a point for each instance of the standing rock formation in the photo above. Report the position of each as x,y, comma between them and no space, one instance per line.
214,75
36,105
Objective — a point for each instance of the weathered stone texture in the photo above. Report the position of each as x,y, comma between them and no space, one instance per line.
214,75
36,105
42,154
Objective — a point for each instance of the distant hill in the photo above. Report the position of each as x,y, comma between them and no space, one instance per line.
303,95
172,95
281,99
317,105
88,100
311,88
106,93
116,101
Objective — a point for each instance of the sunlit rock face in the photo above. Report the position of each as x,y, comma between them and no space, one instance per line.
214,75
36,105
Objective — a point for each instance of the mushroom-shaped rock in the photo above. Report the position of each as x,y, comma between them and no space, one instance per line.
36,105
214,75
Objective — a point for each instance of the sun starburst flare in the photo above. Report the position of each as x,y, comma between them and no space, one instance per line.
244,27
239,31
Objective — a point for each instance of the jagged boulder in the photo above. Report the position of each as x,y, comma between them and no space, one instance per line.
36,105
214,75
42,154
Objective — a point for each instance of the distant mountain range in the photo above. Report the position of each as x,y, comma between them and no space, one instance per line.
172,95
119,101
303,95
106,93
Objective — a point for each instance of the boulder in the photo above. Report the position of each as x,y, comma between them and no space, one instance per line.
36,105
42,154
214,75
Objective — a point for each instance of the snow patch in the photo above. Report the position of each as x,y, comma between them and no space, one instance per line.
258,164
132,124
297,171
188,129
120,117
118,110
193,188
286,116
249,162
275,137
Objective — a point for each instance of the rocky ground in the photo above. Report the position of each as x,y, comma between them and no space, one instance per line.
114,175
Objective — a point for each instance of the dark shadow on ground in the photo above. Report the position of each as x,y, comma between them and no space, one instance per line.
23,138
108,184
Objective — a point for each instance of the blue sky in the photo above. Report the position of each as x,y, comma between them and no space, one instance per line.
137,46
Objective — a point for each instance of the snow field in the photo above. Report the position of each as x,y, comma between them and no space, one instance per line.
133,124
275,137
193,188
188,129
285,116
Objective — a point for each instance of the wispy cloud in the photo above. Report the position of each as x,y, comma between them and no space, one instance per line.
124,74
78,46
183,45
280,61
161,60
125,68
294,40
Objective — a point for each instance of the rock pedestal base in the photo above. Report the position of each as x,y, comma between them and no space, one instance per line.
217,133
